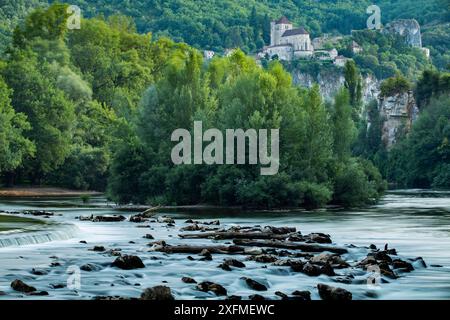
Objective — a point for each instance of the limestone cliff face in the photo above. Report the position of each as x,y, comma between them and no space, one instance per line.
331,82
398,113
408,28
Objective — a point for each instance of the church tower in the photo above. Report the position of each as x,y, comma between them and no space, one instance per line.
277,28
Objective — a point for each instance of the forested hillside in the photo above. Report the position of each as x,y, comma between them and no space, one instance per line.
221,24
94,109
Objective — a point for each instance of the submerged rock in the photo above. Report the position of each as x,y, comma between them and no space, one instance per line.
279,230
19,285
403,265
233,298
90,267
253,284
98,248
38,293
109,218
206,286
128,262
234,263
38,213
188,280
282,295
205,254
265,258
332,293
256,297
302,295
332,259
137,219
224,266
318,237
160,293
39,272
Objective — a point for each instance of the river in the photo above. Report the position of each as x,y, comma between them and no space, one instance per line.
415,222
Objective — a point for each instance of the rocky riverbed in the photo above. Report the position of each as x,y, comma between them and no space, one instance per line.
120,255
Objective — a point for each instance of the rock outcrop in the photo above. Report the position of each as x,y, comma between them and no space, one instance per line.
408,28
330,82
159,293
398,113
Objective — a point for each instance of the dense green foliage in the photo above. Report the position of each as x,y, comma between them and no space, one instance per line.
235,93
422,159
384,55
14,147
421,156
431,83
221,24
95,108
394,85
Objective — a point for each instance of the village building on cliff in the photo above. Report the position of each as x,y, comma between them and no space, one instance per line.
288,42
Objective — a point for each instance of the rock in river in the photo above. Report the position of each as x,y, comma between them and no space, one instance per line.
302,295
332,293
234,263
90,267
188,280
206,286
108,218
128,262
161,293
255,285
21,286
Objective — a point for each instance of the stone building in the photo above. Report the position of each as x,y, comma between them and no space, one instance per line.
288,42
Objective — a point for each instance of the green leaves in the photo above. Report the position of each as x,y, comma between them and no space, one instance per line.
14,147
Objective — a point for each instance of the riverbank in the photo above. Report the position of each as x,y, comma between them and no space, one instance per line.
44,192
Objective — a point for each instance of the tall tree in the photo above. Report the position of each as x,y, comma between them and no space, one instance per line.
14,147
353,83
49,112
343,126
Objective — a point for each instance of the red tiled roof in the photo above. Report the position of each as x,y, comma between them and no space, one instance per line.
283,20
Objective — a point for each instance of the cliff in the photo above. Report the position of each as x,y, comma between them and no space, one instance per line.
407,28
331,81
398,113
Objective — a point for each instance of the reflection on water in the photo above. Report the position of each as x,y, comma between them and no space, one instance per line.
415,222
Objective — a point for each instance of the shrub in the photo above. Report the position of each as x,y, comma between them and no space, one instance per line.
395,85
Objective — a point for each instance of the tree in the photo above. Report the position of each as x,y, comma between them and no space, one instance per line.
421,159
394,85
343,126
353,83
49,112
14,147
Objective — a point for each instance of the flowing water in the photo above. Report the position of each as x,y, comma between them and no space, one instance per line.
415,222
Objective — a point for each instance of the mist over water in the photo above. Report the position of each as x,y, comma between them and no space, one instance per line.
415,222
